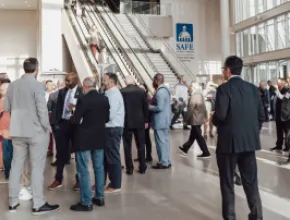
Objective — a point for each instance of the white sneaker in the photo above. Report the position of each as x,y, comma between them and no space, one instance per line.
24,194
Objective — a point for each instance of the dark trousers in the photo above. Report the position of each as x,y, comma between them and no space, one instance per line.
113,166
248,170
148,144
63,136
195,134
7,149
177,115
280,129
139,135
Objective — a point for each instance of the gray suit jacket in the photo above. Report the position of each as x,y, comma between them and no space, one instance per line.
161,109
26,102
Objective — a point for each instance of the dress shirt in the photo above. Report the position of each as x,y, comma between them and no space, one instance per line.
72,100
117,110
181,91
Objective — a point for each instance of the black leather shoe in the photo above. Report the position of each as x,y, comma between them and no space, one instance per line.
142,171
46,208
129,172
13,208
98,202
81,208
159,166
275,148
148,160
136,160
54,164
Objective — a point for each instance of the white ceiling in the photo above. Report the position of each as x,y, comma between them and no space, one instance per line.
18,4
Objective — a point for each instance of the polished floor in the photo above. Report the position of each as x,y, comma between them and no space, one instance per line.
189,191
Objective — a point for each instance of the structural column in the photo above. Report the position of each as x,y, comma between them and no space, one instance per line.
50,35
225,29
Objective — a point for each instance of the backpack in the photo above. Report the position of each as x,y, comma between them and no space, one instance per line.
285,106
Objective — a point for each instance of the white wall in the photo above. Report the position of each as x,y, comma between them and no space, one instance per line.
18,40
205,17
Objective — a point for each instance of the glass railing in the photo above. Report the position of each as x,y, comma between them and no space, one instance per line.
159,44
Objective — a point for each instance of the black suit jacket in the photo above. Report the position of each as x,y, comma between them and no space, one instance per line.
57,114
136,107
239,114
90,117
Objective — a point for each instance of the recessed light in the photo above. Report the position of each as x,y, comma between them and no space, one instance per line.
25,2
28,6
3,5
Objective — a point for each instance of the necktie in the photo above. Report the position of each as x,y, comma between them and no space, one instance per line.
66,111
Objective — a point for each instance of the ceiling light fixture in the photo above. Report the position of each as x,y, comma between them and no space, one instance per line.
28,6
26,2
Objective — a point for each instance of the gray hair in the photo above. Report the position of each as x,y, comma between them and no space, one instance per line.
90,82
130,80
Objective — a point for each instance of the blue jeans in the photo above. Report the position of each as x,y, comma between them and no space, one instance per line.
82,159
162,146
113,158
7,156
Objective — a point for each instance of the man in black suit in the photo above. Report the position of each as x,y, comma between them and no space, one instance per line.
90,117
136,119
66,101
239,115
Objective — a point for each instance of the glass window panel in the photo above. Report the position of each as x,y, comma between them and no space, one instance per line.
247,73
270,35
260,6
252,40
252,7
273,71
245,43
261,38
270,4
288,35
281,32
238,44
262,72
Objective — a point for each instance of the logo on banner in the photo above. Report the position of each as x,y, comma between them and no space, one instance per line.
184,38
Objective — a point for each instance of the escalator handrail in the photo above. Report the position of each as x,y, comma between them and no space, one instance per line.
90,14
120,32
121,81
70,14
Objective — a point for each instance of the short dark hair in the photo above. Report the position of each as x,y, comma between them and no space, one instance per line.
235,64
30,65
113,77
5,80
48,81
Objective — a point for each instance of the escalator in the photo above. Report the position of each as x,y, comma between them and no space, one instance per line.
75,32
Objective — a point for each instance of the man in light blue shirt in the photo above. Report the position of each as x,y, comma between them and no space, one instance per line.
114,133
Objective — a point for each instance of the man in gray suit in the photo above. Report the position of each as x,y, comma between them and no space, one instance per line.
161,119
29,130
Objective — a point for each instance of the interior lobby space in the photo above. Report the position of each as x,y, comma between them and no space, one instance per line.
188,191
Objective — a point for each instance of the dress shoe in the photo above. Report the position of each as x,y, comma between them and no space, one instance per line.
55,185
142,171
286,149
98,202
46,208
81,208
136,160
183,151
13,208
54,164
148,160
159,166
129,172
275,148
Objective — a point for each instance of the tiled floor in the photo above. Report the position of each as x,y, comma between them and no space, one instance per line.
189,191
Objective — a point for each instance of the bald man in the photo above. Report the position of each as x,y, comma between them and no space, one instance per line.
136,120
90,118
67,99
161,119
